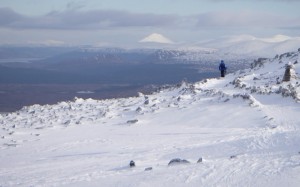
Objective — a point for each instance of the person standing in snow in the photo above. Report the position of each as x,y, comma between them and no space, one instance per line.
222,68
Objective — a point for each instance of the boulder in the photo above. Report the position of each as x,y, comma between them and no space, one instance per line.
177,161
132,163
200,160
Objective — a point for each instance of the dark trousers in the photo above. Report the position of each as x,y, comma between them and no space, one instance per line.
222,73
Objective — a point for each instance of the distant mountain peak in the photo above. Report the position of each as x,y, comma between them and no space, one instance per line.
156,38
276,38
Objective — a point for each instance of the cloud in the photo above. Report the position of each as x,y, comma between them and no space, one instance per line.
291,1
8,16
76,19
242,19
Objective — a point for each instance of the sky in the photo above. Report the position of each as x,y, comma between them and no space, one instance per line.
124,23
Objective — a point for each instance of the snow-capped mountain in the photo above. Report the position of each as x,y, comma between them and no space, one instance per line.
156,38
248,45
241,130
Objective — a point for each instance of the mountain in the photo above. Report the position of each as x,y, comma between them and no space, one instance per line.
156,38
248,45
30,53
241,130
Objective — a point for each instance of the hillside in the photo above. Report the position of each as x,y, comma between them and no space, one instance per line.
243,129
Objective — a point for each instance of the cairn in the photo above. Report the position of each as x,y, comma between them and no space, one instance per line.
287,73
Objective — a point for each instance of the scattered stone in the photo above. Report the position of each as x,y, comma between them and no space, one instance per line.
177,161
139,109
132,121
226,100
67,122
10,144
132,164
277,80
148,169
258,63
200,160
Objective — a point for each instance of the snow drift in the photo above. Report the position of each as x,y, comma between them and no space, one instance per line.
242,130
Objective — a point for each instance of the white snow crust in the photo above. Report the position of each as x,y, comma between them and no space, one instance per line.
245,127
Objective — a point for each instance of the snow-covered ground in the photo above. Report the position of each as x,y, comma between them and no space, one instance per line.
245,127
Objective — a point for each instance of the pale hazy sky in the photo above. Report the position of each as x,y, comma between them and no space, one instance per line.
125,22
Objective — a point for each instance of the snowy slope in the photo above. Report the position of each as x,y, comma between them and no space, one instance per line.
245,127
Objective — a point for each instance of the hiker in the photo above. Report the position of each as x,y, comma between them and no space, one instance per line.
222,68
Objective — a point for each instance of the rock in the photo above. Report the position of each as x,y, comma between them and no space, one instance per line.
233,156
132,121
177,161
226,100
200,160
258,63
67,122
146,102
277,80
132,163
148,169
139,109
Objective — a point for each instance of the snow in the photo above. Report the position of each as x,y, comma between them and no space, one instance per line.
245,127
254,46
277,38
157,38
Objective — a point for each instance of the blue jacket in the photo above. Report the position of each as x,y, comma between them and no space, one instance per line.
222,66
